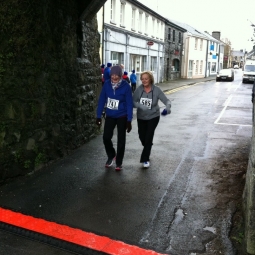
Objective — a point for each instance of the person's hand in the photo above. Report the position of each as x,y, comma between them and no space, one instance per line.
98,121
129,126
164,112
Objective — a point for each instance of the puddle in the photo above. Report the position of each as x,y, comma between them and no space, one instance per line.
211,229
178,216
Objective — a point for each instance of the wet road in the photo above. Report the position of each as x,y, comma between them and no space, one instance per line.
177,206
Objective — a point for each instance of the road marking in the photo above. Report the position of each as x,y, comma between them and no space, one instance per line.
72,235
223,111
181,88
177,89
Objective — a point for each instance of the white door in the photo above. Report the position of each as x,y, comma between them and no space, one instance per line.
190,71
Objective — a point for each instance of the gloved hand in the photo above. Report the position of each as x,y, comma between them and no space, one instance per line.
98,121
129,126
164,112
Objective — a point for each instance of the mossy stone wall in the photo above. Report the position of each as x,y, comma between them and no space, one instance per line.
49,82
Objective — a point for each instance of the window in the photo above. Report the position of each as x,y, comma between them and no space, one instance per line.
133,18
122,14
161,31
157,34
140,21
153,27
196,41
169,34
117,58
137,63
153,64
201,44
113,8
146,23
213,68
196,71
180,38
173,35
201,67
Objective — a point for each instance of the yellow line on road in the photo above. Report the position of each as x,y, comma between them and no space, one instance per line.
177,89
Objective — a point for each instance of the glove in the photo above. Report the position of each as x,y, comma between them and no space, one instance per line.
164,112
98,121
129,126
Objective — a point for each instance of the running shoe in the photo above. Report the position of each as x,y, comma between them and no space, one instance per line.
118,168
146,164
109,162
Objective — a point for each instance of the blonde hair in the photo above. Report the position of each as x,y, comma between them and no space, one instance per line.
149,73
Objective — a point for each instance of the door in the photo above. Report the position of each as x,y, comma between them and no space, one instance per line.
190,71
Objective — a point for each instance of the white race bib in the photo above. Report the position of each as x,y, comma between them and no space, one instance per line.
112,104
146,102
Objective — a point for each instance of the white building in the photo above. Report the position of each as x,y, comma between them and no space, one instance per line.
194,53
133,35
215,55
202,54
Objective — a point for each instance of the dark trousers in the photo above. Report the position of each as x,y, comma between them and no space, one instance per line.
133,86
109,126
146,130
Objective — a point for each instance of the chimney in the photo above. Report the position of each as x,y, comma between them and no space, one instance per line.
216,35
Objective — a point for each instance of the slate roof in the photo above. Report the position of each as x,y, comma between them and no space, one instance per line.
190,29
195,32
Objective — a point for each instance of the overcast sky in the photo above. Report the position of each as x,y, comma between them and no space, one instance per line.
230,17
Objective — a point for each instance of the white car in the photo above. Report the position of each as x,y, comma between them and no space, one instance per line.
225,74
236,67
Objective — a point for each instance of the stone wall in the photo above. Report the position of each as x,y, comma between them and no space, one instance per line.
249,200
173,50
49,82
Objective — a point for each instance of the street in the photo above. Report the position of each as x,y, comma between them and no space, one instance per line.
182,205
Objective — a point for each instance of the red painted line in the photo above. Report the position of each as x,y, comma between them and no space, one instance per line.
72,235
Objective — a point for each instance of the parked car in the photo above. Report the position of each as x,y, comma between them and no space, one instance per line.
236,67
225,74
249,71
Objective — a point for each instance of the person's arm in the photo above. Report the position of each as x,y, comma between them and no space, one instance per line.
136,102
164,100
129,102
101,102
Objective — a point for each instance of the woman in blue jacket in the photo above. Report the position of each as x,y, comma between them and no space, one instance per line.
116,94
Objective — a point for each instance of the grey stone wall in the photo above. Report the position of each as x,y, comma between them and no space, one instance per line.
49,82
249,200
173,51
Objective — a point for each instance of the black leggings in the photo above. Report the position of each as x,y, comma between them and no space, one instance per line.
146,130
109,126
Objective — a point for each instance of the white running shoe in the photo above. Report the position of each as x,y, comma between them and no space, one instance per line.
146,164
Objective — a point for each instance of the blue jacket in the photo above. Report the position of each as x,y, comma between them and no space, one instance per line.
133,78
119,101
107,75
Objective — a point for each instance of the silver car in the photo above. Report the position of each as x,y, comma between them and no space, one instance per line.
225,75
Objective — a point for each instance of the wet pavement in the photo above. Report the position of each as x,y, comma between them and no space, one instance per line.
175,207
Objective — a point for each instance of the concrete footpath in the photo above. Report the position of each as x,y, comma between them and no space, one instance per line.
173,84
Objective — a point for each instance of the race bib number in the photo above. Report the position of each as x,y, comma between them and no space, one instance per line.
146,102
112,104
